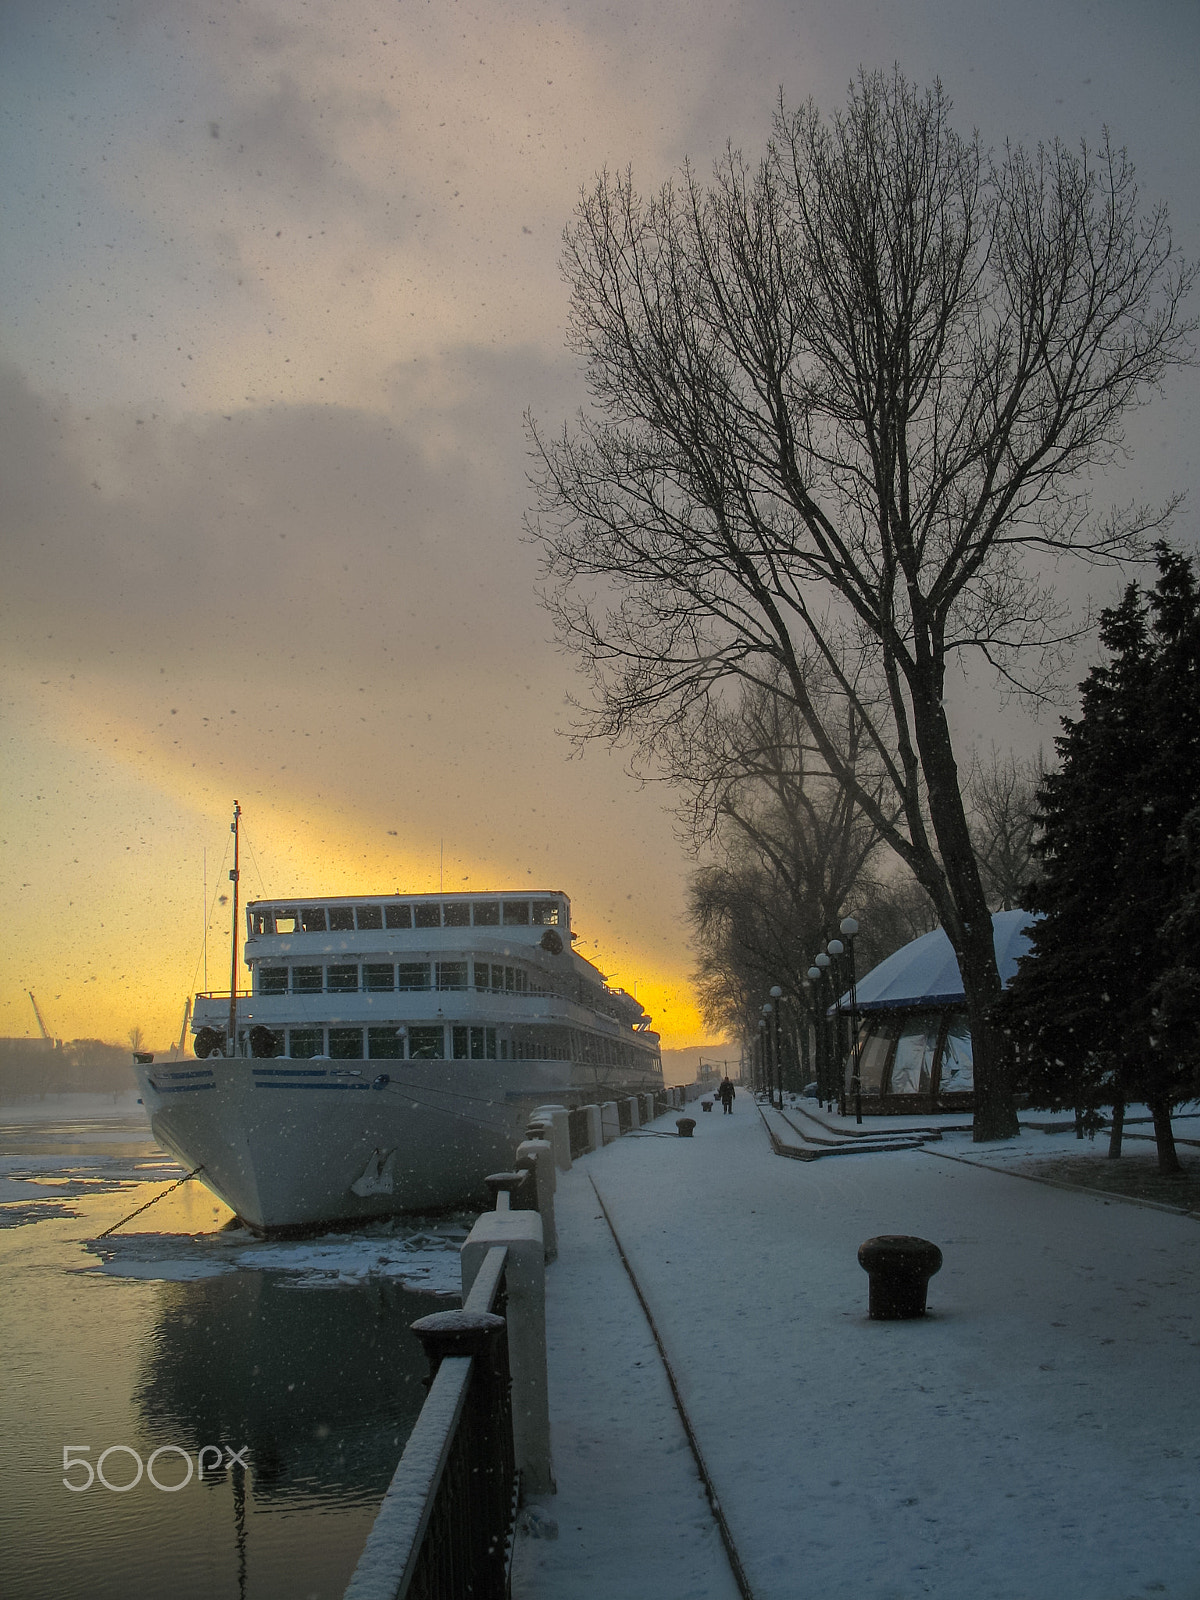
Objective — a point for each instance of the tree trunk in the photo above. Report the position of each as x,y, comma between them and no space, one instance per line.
1117,1131
968,926
1164,1138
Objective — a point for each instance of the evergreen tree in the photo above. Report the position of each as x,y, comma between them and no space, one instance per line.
1095,1007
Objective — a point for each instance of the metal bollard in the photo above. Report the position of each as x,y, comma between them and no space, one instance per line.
686,1126
898,1267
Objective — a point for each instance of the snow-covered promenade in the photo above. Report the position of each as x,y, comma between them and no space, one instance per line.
1036,1437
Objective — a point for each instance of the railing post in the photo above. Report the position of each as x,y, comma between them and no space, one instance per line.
559,1133
595,1129
635,1111
537,1157
610,1122
525,1277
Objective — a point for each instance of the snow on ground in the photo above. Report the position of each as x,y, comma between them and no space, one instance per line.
631,1512
1037,1435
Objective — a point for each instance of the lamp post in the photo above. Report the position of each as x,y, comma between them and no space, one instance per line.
762,1053
849,927
777,997
823,963
818,1022
769,1040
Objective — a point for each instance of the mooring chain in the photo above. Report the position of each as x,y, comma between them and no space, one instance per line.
149,1203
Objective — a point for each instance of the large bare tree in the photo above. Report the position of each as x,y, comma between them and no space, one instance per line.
842,402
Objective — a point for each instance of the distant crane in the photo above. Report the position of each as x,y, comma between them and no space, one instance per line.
41,1021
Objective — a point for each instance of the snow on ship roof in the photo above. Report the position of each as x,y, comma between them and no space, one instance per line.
925,972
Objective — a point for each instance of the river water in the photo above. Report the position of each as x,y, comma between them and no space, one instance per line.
187,1410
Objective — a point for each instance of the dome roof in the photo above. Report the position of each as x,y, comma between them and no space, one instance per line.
925,972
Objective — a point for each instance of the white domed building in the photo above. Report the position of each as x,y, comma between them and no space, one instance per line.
913,1027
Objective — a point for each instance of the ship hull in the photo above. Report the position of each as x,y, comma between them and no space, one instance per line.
293,1145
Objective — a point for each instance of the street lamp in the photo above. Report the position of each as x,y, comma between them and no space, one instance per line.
777,996
814,989
768,1041
762,1052
849,927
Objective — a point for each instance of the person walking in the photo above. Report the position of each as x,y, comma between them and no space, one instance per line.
727,1092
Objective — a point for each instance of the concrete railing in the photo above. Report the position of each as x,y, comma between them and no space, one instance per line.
443,1527
451,1504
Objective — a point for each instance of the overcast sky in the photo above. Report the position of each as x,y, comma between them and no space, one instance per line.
280,281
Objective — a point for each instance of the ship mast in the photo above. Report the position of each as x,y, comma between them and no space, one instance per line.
233,963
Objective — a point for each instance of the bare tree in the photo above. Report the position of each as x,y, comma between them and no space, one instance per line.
1002,802
793,847
840,400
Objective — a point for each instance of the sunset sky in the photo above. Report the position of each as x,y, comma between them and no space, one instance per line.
280,281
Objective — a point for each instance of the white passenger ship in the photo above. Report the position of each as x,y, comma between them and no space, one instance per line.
389,1053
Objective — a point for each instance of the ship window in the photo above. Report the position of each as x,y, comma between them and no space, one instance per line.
385,1044
545,913
503,1048
460,1038
483,1044
426,1044
412,975
516,913
498,979
398,916
456,914
427,916
312,919
307,980
486,913
378,976
368,917
345,1044
341,980
272,980
452,974
304,1043
263,920
285,919
341,919
481,975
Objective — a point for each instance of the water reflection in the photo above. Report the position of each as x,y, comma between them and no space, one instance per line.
115,1348
321,1385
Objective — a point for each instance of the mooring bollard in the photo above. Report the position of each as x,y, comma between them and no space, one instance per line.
898,1268
507,1187
685,1126
456,1333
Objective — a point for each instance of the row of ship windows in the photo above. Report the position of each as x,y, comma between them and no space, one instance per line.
417,1042
381,977
451,1041
422,914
